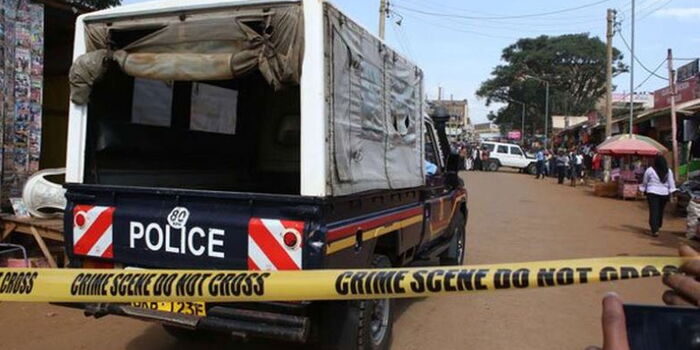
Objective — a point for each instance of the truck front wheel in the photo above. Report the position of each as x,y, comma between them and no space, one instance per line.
454,255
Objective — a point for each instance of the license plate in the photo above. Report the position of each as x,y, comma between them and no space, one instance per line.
189,308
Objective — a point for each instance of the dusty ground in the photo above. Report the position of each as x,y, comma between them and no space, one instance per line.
513,217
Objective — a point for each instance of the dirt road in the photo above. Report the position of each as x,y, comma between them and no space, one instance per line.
513,217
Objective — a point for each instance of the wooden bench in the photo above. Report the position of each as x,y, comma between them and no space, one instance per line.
40,229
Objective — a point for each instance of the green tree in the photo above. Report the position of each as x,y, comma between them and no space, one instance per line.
96,4
574,66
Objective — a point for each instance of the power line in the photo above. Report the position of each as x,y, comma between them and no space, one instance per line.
656,9
425,5
637,59
458,29
403,41
437,14
651,75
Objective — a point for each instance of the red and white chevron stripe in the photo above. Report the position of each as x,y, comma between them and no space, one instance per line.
266,248
92,231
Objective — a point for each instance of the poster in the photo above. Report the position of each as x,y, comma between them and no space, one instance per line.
21,90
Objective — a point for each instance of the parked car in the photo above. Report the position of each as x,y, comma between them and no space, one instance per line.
509,155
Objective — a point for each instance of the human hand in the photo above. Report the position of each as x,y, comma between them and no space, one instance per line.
685,288
614,325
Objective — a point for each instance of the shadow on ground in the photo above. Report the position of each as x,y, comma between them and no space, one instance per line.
666,238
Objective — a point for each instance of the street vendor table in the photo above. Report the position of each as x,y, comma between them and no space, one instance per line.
628,184
40,229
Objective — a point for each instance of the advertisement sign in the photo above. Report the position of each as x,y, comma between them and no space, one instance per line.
514,135
592,117
685,91
687,71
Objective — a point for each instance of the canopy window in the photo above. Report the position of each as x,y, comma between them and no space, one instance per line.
202,47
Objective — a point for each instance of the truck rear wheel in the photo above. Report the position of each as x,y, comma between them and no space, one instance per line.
454,255
493,165
360,324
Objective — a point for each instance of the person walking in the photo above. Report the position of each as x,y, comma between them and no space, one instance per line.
576,165
657,184
562,162
485,161
477,159
596,166
540,158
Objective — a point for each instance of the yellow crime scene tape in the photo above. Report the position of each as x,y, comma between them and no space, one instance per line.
121,286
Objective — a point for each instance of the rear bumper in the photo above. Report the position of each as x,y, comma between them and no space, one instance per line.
279,321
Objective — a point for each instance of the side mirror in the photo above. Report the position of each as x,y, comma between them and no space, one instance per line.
452,165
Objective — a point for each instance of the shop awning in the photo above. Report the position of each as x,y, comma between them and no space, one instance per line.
692,106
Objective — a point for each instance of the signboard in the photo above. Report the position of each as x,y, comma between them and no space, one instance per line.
624,97
687,71
685,91
592,118
514,135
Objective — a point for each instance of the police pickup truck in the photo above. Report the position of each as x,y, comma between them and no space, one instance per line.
254,135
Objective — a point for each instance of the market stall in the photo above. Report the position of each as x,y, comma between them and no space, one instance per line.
632,153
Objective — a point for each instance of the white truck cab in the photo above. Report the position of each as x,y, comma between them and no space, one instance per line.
509,155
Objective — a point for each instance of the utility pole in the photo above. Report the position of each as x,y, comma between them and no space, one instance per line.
608,89
608,73
383,10
522,126
546,114
632,73
674,127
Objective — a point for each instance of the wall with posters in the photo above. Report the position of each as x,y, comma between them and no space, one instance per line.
21,75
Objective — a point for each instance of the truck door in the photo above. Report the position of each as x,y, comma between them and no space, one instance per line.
517,157
503,155
437,198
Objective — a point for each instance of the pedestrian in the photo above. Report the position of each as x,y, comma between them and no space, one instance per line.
596,165
464,157
485,155
691,188
657,184
562,162
476,154
551,163
540,158
576,167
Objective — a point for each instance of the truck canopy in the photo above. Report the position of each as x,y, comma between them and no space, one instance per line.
212,96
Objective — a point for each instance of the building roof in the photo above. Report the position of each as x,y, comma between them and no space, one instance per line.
692,106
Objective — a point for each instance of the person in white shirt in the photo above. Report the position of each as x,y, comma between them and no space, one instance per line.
658,185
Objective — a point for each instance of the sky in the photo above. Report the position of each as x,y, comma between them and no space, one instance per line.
457,43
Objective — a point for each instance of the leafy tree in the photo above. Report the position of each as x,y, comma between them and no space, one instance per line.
96,4
574,66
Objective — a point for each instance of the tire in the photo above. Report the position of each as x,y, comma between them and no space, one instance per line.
493,165
360,324
532,169
454,255
376,317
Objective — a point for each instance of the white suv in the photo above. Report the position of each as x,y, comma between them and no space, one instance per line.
508,155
